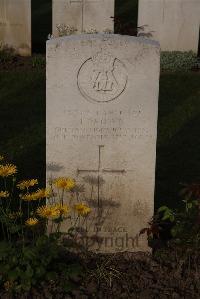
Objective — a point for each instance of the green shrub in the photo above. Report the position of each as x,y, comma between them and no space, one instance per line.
183,224
23,267
178,61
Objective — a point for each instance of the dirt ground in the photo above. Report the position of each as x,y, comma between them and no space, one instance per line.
124,276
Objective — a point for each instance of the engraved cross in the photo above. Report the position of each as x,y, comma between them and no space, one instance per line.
100,170
82,2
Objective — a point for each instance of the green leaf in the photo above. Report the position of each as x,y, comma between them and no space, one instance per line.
75,269
171,218
5,249
14,229
41,241
29,272
26,285
5,268
14,259
29,253
68,286
13,275
173,232
166,217
189,205
163,208
51,275
40,271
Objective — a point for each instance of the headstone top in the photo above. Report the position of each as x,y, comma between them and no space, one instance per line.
104,36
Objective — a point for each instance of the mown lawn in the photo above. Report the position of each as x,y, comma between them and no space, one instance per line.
178,135
22,128
22,114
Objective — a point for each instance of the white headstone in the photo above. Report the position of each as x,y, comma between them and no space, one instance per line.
84,15
102,102
15,25
174,23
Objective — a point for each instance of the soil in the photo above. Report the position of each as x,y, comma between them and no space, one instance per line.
123,276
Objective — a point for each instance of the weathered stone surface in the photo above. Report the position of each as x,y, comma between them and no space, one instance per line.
174,23
15,25
84,15
102,98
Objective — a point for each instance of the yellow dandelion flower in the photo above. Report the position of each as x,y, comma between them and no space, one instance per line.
63,209
42,193
1,157
8,169
28,196
82,209
25,184
64,183
4,194
31,221
49,212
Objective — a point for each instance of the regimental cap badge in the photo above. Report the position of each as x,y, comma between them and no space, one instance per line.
103,61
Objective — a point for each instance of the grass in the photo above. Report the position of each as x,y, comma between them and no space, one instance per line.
178,135
22,128
22,113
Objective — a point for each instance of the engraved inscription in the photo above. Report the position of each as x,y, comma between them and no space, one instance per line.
100,134
102,78
101,125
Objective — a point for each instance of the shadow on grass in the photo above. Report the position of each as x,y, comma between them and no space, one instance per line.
178,144
22,127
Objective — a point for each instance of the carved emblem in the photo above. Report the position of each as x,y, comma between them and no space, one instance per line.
102,78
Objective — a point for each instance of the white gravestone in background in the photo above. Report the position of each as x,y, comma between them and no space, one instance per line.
15,25
174,23
84,15
102,102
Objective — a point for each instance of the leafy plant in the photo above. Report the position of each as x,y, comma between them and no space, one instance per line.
23,267
182,224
